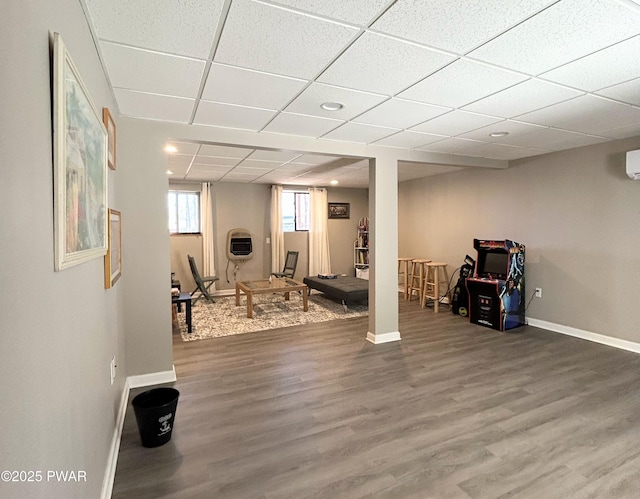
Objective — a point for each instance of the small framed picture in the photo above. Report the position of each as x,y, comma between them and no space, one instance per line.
111,134
338,210
113,258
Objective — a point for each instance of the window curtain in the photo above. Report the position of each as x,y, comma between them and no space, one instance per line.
319,259
277,234
208,233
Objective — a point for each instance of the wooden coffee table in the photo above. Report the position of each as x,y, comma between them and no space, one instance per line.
276,285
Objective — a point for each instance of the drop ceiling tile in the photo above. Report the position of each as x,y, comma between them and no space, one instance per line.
203,169
256,172
587,114
455,123
204,176
258,164
295,168
623,132
215,161
455,26
224,151
185,27
500,151
153,106
274,179
175,173
449,145
299,124
551,139
279,156
250,88
183,147
176,169
228,115
400,113
410,140
358,132
460,83
355,102
238,177
275,40
377,63
522,98
563,33
152,72
628,92
621,62
359,12
514,128
179,160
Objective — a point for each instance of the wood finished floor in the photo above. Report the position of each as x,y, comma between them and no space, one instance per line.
454,410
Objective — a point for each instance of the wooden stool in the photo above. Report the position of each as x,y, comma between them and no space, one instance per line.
416,279
403,270
436,275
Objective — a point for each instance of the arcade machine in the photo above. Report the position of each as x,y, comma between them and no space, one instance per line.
496,292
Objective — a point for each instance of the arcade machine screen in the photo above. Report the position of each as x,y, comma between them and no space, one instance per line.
495,265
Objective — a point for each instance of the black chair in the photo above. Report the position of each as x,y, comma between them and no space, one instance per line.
290,265
202,283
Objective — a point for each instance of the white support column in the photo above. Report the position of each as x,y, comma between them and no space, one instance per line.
383,250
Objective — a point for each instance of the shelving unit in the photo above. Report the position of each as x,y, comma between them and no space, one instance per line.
361,249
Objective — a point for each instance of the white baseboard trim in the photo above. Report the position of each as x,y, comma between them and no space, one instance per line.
152,378
130,382
586,335
377,339
112,459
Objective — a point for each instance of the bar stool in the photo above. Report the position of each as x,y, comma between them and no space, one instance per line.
403,270
416,280
436,276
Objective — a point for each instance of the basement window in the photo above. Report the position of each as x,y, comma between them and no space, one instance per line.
184,212
295,211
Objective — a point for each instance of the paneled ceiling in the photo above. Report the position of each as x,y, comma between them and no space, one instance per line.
432,75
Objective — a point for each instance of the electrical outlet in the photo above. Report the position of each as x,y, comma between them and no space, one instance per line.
538,292
113,370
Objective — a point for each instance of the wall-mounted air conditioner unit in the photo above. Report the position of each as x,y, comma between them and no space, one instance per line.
633,164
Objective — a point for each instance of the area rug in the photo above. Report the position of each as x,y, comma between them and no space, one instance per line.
270,311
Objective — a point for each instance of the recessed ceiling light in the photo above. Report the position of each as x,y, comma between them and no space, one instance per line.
331,106
170,149
334,182
498,134
169,172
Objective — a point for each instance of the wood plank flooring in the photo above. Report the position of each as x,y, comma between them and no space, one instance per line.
454,410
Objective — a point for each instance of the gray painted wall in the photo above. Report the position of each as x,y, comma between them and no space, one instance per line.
577,213
343,232
58,330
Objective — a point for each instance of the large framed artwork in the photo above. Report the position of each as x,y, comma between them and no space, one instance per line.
80,167
113,258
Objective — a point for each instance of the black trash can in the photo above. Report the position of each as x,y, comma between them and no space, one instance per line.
155,412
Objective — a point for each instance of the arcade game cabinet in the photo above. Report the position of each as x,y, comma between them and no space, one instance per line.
496,292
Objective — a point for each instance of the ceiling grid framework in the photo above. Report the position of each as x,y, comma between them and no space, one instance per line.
427,75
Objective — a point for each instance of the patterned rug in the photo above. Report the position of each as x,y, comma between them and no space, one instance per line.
270,311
